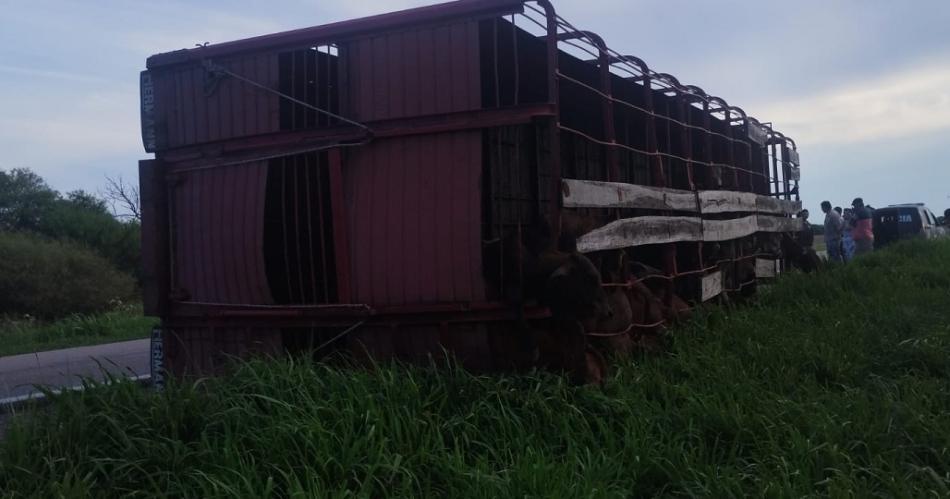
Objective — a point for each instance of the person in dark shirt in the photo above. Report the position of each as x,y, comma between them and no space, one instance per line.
806,238
798,247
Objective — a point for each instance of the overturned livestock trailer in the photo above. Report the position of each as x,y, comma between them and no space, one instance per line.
390,185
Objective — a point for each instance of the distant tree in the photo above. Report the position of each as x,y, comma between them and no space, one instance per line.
25,199
124,198
83,218
79,216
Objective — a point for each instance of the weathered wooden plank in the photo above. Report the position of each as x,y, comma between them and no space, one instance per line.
641,231
765,267
712,285
595,194
736,201
727,201
768,223
726,230
768,204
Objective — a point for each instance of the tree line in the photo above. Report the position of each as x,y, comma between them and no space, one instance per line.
66,253
28,204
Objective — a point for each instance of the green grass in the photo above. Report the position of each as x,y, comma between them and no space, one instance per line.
24,335
831,385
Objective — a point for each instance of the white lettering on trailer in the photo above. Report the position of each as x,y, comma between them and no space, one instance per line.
148,111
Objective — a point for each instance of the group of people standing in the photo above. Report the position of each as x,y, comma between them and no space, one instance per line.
849,232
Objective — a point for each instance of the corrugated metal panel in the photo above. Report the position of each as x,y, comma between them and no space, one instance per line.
192,109
413,219
388,76
412,73
218,229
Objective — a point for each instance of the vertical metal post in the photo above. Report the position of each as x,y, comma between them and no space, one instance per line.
749,146
156,236
659,175
329,102
774,182
671,175
297,230
341,247
293,89
731,147
708,146
494,60
687,139
316,89
554,144
613,168
798,192
786,171
515,61
660,180
285,230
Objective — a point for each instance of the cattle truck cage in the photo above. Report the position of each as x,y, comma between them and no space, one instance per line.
337,185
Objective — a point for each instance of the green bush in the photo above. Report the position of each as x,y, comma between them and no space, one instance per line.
50,279
83,218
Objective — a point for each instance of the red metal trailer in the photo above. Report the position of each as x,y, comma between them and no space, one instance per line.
343,186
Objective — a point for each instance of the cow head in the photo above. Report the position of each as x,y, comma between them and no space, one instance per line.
574,292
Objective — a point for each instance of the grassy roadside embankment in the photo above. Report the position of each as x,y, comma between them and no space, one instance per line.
833,384
25,335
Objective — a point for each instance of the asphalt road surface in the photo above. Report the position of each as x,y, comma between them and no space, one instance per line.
66,368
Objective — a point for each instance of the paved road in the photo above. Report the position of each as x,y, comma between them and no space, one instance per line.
64,368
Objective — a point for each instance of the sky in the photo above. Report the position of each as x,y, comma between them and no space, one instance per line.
863,86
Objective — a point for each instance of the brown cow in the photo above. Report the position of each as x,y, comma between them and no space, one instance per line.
798,256
612,334
566,282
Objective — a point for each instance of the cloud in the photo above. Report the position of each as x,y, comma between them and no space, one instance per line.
907,103
883,172
67,136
